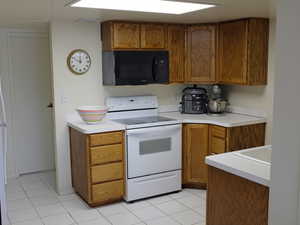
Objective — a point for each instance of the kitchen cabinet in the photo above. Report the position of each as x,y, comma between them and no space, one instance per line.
233,200
200,140
234,52
176,47
243,52
201,54
195,149
153,36
97,162
217,140
120,35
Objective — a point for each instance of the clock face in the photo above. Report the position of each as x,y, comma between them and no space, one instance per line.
79,62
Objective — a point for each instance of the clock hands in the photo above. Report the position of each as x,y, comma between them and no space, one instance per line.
78,59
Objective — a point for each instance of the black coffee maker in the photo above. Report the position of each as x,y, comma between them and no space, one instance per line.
194,100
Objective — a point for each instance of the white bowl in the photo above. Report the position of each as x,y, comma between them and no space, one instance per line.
92,114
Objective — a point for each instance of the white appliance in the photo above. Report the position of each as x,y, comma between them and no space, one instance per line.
153,146
3,149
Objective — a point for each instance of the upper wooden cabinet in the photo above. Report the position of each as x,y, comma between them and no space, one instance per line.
176,47
243,52
134,36
153,36
120,35
201,54
234,52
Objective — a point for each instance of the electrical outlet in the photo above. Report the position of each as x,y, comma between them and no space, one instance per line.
64,100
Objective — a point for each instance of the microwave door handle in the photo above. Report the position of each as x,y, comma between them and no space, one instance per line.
117,67
154,67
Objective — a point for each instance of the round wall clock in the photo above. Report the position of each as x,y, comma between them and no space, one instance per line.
79,61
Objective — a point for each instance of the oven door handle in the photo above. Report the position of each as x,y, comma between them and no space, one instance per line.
160,129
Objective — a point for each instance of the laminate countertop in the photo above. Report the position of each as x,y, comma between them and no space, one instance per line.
253,164
104,126
226,120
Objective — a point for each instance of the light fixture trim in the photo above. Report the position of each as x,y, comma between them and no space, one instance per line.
151,6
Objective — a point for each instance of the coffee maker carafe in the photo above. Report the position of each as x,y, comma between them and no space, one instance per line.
194,100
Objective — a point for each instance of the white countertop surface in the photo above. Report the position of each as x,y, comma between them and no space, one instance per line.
226,120
243,166
105,126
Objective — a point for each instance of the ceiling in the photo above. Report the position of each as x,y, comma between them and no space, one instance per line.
39,12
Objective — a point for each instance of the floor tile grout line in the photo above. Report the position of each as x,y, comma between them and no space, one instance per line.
28,198
104,216
190,208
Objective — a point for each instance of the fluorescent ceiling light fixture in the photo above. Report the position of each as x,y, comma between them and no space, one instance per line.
153,6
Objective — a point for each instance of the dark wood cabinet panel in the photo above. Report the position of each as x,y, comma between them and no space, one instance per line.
243,137
153,36
176,47
232,200
201,54
243,52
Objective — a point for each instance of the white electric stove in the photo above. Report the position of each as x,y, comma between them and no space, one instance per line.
153,146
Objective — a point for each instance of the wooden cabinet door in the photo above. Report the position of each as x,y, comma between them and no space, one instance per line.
176,47
233,52
153,36
201,63
195,149
217,140
126,35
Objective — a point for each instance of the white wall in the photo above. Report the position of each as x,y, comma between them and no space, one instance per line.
284,201
258,98
71,91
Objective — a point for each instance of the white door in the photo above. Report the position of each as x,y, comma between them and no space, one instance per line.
153,150
32,124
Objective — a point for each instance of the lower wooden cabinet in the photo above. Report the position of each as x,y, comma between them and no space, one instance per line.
201,140
195,149
98,166
233,200
107,192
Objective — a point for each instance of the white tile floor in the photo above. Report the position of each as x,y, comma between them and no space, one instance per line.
32,200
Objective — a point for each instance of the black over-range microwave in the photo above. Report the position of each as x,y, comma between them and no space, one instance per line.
135,67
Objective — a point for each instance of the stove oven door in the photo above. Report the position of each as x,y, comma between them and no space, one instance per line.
153,150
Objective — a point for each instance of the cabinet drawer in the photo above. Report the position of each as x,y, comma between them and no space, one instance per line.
218,145
106,138
107,172
107,192
218,131
106,154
